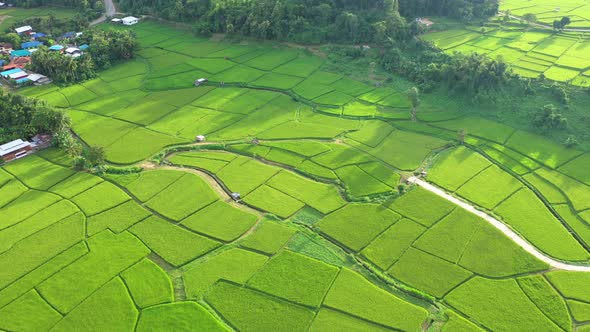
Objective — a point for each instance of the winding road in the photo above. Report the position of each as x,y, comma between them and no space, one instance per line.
500,226
110,11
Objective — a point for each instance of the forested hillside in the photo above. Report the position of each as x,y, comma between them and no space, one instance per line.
312,21
466,10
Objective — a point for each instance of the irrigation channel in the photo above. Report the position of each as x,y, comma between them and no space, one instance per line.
500,226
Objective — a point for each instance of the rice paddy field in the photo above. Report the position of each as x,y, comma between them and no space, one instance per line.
321,238
9,16
531,51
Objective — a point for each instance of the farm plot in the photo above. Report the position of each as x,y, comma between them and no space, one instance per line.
445,173
356,225
221,221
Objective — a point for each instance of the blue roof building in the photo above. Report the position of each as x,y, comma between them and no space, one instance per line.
56,48
69,35
38,35
22,80
31,44
84,47
10,72
19,53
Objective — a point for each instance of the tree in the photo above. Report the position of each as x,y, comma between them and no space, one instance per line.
564,21
413,95
95,155
548,118
462,133
530,17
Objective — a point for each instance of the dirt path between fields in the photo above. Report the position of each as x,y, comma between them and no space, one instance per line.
500,226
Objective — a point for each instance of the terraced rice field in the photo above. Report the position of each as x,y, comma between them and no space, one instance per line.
562,57
321,238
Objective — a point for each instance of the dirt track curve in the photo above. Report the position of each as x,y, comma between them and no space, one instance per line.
500,226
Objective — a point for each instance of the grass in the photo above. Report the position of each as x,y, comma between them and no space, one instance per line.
28,312
273,201
498,305
30,253
36,172
568,284
51,266
490,187
527,215
243,175
576,168
249,310
268,237
449,237
178,316
428,273
392,243
322,197
75,184
174,244
221,220
577,193
109,308
371,133
580,310
69,287
296,278
491,253
359,183
444,173
547,299
540,149
183,197
117,219
328,319
422,206
148,284
235,265
150,183
350,293
37,222
13,213
356,225
458,323
100,198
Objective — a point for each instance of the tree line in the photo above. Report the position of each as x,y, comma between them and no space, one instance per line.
87,8
307,21
465,10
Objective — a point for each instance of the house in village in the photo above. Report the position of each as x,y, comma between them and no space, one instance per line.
30,45
15,149
5,48
56,48
26,30
39,79
130,20
424,21
74,52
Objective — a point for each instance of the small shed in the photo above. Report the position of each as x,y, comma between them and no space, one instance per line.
130,20
201,81
39,79
117,21
15,149
236,196
200,138
24,29
425,21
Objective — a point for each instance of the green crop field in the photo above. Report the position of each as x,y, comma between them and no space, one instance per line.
295,213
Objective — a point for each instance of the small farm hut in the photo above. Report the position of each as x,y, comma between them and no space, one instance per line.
200,138
15,149
130,20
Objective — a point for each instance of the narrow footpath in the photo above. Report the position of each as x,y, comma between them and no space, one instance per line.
500,226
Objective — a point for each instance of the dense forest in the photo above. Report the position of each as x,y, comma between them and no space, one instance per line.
22,117
466,10
310,21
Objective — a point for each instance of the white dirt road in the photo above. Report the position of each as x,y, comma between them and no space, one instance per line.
500,226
